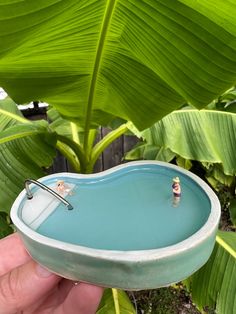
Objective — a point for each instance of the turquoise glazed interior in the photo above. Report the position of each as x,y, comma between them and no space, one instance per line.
128,210
121,219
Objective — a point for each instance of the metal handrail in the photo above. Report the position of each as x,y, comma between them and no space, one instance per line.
46,188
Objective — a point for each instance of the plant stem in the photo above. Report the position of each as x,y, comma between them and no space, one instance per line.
78,150
74,132
71,157
222,243
102,145
116,300
91,139
93,83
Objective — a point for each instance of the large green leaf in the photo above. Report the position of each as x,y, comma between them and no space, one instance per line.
115,302
25,149
138,60
23,130
207,136
214,285
149,152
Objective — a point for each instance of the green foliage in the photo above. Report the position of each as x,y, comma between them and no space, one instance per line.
207,136
149,152
214,285
137,60
5,228
25,149
63,126
96,60
115,302
216,176
227,101
184,163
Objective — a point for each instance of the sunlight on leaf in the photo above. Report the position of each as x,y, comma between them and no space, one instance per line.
207,136
138,60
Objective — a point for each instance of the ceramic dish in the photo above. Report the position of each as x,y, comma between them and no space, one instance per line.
127,228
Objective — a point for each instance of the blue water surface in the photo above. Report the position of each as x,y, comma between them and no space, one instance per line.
131,209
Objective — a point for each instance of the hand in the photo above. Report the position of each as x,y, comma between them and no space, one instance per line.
27,288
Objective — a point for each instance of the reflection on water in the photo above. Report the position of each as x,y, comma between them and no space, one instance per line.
176,201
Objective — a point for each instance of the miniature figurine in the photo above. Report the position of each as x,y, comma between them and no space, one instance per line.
176,187
62,188
176,192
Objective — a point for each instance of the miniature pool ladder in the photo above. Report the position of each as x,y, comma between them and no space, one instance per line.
46,188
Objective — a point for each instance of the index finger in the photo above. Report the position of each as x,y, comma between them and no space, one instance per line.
12,253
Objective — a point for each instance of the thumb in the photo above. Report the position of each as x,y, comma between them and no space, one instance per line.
23,286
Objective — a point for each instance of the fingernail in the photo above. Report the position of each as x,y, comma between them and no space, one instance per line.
42,272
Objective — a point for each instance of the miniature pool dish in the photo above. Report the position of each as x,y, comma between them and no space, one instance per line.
124,230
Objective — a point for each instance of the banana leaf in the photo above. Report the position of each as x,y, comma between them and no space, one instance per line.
215,175
26,148
115,302
214,285
207,136
149,152
138,60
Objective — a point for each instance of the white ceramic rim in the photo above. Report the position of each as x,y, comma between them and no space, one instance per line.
127,256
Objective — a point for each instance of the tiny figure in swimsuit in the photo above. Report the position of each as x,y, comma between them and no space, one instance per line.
62,188
176,187
176,191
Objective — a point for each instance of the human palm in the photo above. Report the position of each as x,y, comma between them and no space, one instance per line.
27,288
